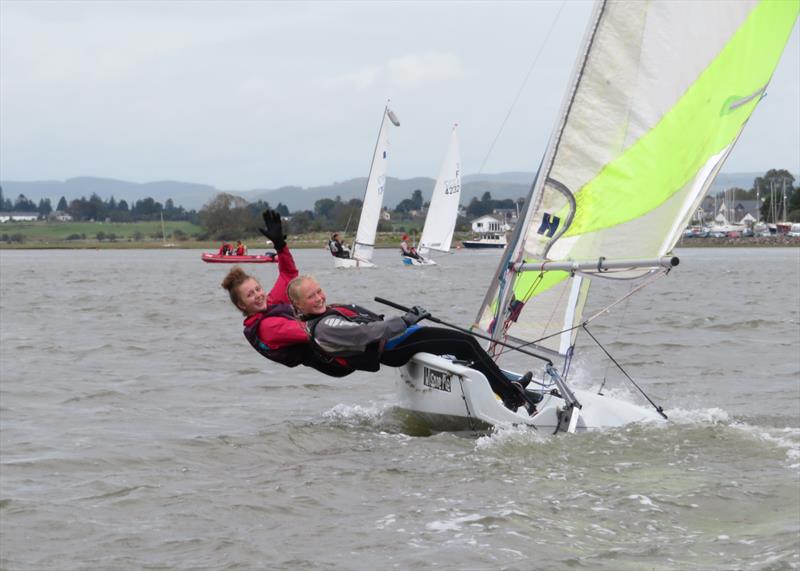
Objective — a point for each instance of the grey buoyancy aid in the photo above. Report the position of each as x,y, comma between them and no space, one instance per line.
367,360
295,354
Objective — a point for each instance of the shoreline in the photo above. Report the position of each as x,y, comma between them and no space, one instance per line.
310,243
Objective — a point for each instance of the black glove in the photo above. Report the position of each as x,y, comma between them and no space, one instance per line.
415,315
274,229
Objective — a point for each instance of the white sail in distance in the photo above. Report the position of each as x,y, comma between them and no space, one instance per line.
440,222
373,195
659,96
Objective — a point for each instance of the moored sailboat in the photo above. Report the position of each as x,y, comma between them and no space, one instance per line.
657,101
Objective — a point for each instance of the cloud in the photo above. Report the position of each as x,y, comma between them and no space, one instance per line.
416,69
411,71
360,80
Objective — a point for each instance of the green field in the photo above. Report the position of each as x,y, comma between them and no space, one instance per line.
40,234
87,234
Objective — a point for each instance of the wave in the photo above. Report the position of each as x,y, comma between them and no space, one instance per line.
355,415
787,438
91,396
705,428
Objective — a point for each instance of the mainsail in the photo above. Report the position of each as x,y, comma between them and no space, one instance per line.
659,95
373,195
437,234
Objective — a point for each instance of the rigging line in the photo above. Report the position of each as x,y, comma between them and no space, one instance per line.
642,285
522,87
659,409
347,225
539,278
527,296
601,312
619,328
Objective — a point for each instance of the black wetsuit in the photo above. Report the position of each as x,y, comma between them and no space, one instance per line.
341,333
441,341
337,250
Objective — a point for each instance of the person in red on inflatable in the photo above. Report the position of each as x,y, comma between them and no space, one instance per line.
241,249
225,249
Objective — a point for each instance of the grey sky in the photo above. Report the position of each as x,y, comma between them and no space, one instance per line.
246,95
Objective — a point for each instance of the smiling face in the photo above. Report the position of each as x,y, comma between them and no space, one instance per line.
308,297
252,297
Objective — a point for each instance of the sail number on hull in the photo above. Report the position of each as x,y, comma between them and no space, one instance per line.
438,380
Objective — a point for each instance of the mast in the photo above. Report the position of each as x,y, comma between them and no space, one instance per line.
758,202
783,218
772,207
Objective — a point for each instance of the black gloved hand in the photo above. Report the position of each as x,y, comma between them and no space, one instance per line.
415,315
274,229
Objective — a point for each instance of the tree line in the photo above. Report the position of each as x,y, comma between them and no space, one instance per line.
228,217
97,209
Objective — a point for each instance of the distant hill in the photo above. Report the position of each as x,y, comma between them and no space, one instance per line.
297,198
194,196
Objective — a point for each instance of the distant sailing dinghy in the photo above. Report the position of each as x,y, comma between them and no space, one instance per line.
658,98
361,252
440,222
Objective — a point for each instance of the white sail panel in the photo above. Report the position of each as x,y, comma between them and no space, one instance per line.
437,234
658,100
373,196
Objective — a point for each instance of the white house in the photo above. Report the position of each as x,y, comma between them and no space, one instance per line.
61,216
18,216
489,223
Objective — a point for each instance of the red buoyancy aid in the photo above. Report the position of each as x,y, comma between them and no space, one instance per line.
295,354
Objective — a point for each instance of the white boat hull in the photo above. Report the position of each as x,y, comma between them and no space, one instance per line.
483,244
448,396
414,262
351,263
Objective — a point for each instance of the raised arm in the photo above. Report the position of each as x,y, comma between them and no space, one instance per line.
287,271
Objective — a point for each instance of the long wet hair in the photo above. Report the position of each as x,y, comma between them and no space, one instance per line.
236,277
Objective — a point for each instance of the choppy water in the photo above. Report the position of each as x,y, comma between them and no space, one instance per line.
138,430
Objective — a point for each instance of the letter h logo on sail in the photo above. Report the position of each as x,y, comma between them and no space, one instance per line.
549,225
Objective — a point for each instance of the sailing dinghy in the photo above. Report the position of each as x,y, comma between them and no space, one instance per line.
659,95
440,222
364,245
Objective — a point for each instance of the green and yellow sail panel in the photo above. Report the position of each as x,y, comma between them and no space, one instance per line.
659,96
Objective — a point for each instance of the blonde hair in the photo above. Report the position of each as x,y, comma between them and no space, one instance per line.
236,277
293,289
